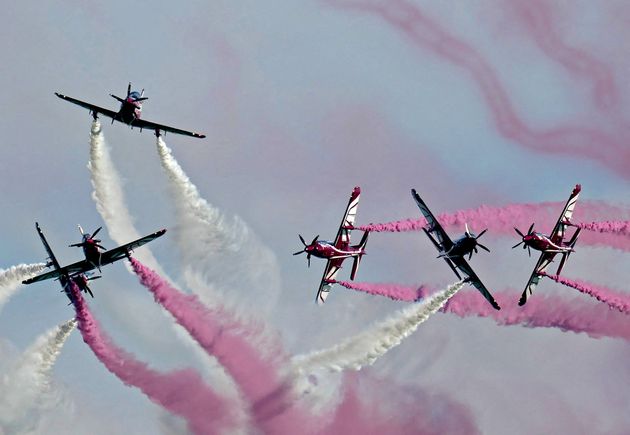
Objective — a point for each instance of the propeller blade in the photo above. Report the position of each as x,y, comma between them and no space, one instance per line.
308,259
96,232
467,230
101,247
80,229
529,251
302,239
129,89
470,255
519,232
529,231
315,239
517,244
481,233
299,252
483,247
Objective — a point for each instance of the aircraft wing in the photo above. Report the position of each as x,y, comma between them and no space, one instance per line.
141,123
435,231
342,241
557,235
122,251
463,266
49,251
330,273
544,261
72,269
91,107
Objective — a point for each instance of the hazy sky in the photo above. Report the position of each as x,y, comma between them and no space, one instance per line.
480,102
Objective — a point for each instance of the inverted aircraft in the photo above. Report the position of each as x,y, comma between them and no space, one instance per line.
550,245
80,272
337,251
130,113
453,252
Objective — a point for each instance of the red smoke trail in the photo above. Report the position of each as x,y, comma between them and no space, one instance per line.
501,220
393,291
614,227
181,392
575,315
576,139
260,378
612,298
537,16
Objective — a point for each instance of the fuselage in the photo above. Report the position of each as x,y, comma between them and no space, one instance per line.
541,242
91,251
130,109
461,247
325,249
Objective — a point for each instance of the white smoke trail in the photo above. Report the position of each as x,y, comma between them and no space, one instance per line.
110,202
25,389
366,347
221,249
11,279
110,198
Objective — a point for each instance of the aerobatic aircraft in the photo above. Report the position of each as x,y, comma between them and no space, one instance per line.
79,272
549,245
338,250
453,252
130,113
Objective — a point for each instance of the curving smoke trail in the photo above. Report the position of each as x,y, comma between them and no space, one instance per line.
222,250
182,392
366,347
109,196
259,374
588,141
11,279
396,292
501,220
614,299
25,389
541,311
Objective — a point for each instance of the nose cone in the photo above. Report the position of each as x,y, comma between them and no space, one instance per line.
310,248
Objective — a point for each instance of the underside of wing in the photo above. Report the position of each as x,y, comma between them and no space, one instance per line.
121,252
89,106
473,279
434,230
141,123
330,273
543,262
342,241
72,269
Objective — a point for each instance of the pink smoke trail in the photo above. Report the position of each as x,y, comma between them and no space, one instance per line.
260,378
501,220
181,392
393,291
612,298
538,18
541,311
614,227
425,33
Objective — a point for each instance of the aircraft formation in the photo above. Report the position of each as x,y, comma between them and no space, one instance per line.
453,252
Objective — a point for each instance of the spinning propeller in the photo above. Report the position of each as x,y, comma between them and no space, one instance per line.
87,238
471,235
307,248
525,238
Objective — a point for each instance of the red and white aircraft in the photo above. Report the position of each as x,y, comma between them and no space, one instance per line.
550,245
336,252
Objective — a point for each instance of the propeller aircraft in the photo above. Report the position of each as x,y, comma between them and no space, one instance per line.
337,251
80,272
550,245
453,252
130,113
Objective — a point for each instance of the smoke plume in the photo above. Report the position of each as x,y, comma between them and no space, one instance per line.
11,279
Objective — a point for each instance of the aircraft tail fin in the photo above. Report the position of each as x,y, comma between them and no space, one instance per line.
357,258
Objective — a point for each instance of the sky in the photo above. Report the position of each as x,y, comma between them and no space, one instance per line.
483,102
